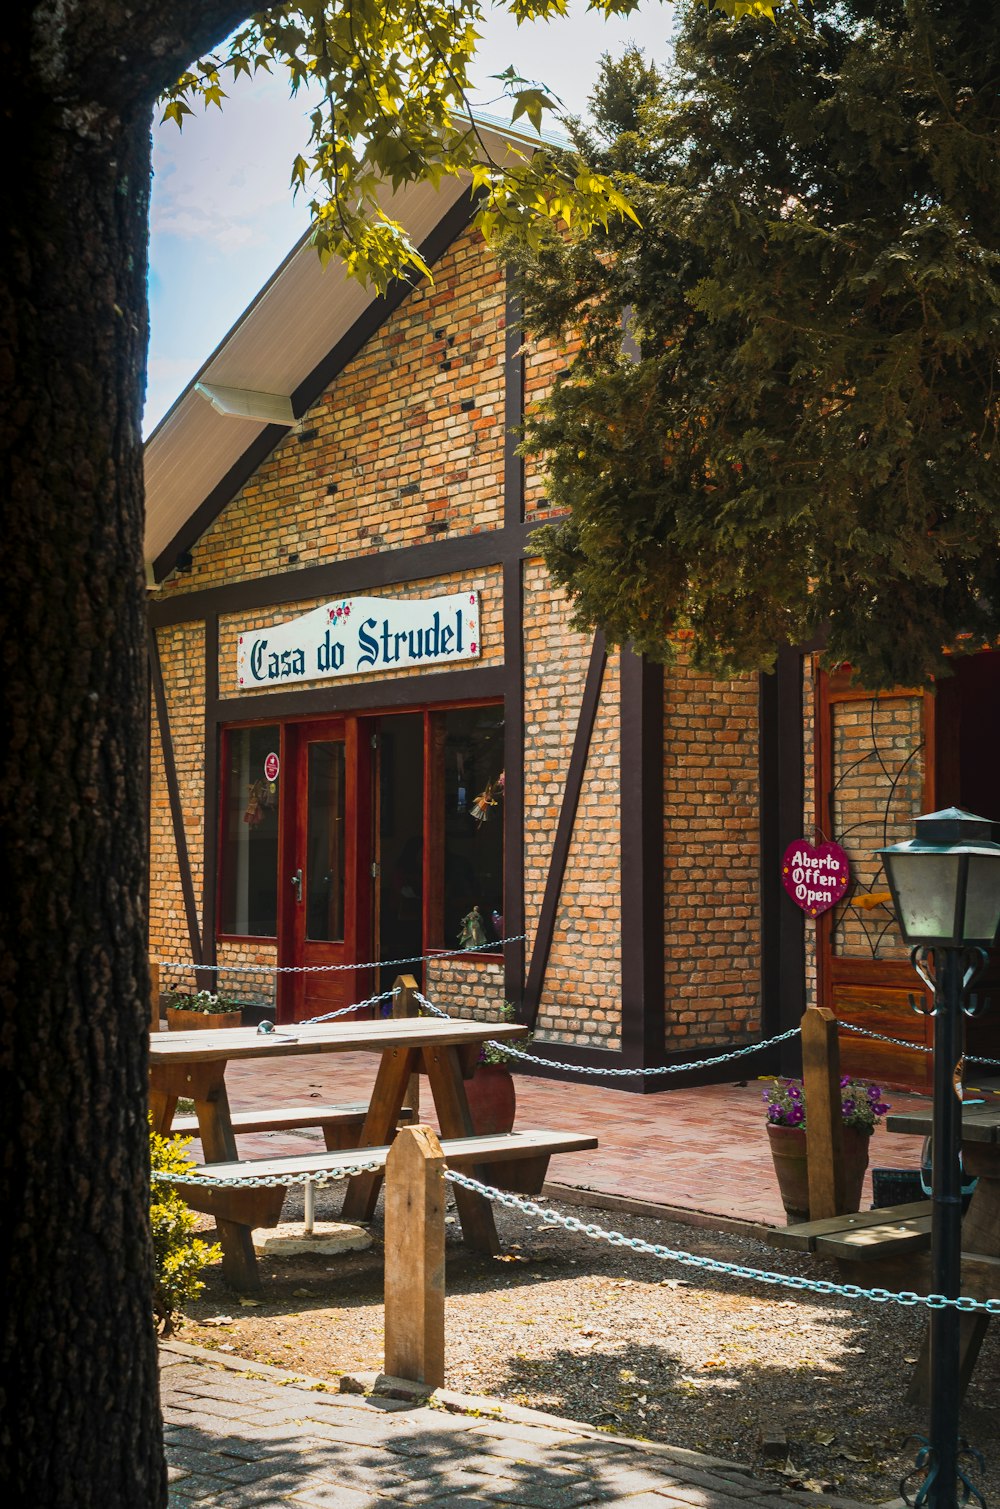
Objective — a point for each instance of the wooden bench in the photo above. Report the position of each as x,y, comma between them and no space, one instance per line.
340,1125
867,1236
891,1248
520,1158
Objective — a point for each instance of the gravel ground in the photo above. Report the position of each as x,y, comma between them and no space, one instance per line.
634,1344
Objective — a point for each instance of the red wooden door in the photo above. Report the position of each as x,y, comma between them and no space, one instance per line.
325,876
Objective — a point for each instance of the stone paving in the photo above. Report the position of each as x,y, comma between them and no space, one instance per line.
246,1436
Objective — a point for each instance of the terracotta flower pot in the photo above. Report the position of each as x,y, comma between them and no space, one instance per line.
180,1020
788,1152
492,1102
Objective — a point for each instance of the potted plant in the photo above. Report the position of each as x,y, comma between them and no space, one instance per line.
189,1010
862,1108
490,1090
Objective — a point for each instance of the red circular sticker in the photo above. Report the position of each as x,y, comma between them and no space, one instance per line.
271,767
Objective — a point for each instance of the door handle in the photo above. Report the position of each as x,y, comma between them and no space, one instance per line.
297,885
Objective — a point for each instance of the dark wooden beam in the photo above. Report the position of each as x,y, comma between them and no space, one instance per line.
347,577
781,781
641,860
174,798
210,877
389,695
564,831
513,642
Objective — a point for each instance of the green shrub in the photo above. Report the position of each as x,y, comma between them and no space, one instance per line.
179,1257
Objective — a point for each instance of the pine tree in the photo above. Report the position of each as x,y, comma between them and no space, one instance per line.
801,439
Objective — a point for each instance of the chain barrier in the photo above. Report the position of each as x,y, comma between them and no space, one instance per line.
551,1063
268,1181
552,1217
317,969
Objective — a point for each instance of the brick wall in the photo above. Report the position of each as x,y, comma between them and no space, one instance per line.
406,446
711,859
582,997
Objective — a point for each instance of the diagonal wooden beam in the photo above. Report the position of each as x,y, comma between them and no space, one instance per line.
564,830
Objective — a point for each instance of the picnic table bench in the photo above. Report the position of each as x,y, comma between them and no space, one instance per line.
517,1160
341,1125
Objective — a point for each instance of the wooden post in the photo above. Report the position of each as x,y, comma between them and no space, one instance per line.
414,1257
154,997
404,1003
824,1123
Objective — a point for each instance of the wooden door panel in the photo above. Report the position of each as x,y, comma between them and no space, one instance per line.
886,1011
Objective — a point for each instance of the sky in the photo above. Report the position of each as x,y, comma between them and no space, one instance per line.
223,216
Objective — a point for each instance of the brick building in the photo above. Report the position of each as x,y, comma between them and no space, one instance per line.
344,466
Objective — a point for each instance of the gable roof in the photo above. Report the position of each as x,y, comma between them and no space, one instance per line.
303,327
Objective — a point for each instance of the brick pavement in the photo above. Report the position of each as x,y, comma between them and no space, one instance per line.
699,1154
248,1437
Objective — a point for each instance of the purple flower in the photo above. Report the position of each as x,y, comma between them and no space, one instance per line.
794,1092
874,1093
797,1115
774,1114
848,1107
881,1108
845,1080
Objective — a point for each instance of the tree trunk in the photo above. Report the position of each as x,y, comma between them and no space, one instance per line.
79,1411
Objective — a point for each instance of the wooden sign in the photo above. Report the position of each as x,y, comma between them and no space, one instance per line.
816,878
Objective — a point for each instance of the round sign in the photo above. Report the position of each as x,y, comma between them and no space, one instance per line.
815,878
271,767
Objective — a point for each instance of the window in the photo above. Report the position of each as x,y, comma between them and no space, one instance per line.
470,787
249,896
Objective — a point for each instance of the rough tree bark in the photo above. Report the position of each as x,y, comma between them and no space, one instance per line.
79,1412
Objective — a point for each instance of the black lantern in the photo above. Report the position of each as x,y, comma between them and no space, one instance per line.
945,882
945,885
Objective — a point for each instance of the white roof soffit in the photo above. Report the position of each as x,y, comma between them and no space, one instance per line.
287,331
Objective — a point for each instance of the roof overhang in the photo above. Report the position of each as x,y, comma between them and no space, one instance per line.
304,325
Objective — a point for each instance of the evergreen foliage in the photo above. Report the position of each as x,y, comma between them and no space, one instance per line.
801,440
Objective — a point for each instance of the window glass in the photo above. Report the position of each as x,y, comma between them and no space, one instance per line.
325,842
249,903
473,785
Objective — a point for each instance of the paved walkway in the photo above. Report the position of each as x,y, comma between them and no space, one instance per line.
241,1436
699,1155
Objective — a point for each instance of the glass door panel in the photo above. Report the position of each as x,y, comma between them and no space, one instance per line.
325,842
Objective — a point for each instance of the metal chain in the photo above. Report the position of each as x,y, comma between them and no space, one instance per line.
317,969
311,1021
552,1217
268,1181
551,1063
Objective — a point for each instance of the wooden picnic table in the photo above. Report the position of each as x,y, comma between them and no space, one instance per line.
193,1064
981,1222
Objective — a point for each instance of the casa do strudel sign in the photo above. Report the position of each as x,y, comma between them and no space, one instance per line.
361,635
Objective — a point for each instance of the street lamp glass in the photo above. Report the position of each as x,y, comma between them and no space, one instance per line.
945,882
982,906
925,889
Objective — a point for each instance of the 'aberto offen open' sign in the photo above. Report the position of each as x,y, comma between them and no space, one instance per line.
815,878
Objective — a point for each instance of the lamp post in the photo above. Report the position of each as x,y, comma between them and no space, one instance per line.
945,885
